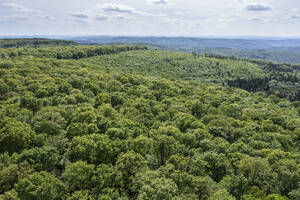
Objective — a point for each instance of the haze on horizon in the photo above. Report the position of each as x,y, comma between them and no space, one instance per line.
276,18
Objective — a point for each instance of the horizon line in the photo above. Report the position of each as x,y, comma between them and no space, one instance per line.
154,35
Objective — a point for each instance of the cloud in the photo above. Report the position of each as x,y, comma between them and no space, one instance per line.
178,23
76,21
158,2
117,8
120,9
14,13
84,16
80,15
295,16
121,17
13,19
258,7
255,19
101,17
16,7
49,17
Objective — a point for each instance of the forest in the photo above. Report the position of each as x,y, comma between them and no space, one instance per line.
195,42
33,42
279,50
282,80
275,56
124,122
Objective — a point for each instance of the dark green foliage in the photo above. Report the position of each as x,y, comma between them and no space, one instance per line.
95,148
69,52
78,176
128,165
34,42
40,185
159,188
45,158
12,174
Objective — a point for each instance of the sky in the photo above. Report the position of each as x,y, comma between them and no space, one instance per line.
280,18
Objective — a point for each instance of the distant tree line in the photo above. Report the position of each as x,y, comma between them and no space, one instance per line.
68,52
33,42
282,80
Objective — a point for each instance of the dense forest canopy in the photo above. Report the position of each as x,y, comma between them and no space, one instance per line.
278,79
33,42
196,42
282,80
124,122
277,56
69,52
274,50
277,50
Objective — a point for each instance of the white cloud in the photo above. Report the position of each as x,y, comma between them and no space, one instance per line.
16,7
81,15
121,17
86,17
121,10
12,12
117,8
101,17
178,23
255,19
258,7
14,19
158,2
50,18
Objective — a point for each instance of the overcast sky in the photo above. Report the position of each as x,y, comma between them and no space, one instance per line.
150,17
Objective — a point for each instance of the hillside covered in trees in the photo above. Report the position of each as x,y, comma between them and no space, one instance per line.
33,42
279,79
277,56
279,50
123,122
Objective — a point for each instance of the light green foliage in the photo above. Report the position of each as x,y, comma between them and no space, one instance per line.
94,148
281,80
49,120
295,194
259,173
221,194
182,65
254,194
40,185
142,145
80,195
275,197
105,178
159,188
10,195
235,185
12,174
15,136
164,147
129,164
